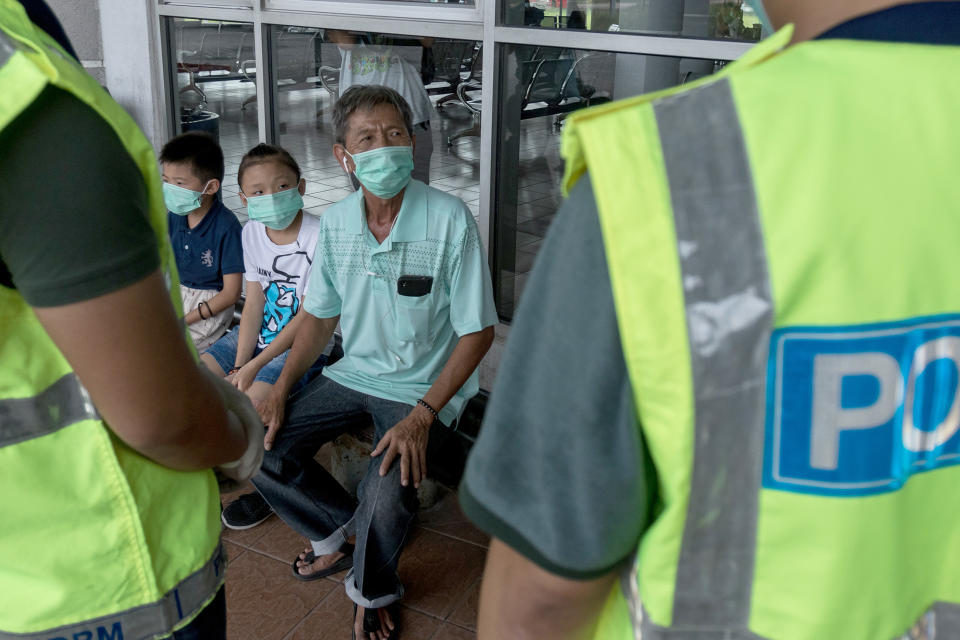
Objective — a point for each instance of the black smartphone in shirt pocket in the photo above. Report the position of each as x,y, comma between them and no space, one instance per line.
414,286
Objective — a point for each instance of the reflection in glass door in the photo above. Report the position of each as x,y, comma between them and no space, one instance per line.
214,64
540,87
313,66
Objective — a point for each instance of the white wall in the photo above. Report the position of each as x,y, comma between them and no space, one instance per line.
131,56
116,40
81,21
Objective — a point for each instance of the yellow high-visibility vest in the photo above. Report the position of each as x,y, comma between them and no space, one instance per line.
782,247
96,541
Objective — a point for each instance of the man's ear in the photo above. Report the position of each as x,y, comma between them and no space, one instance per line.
340,153
302,187
212,187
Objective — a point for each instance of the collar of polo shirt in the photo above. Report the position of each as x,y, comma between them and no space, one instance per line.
411,222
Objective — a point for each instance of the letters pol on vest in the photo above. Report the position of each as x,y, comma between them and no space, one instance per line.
857,410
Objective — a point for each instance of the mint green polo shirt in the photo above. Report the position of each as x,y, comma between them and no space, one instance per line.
395,346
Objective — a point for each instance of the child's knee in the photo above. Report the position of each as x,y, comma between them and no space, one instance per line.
211,363
258,391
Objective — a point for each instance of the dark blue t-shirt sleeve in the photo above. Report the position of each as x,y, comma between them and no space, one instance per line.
559,471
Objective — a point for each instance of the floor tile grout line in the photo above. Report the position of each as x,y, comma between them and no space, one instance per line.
423,612
246,545
307,615
453,537
460,626
463,598
453,624
267,555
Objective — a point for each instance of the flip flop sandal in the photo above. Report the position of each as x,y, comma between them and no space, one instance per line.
340,565
371,620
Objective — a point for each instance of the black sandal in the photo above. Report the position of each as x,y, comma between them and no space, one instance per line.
371,620
340,565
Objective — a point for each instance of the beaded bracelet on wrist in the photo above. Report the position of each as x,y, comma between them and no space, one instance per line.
433,411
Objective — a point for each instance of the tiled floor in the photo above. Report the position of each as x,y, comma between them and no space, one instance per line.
440,568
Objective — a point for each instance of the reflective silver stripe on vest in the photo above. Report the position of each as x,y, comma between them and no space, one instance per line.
6,48
729,314
61,404
631,593
148,621
729,320
944,622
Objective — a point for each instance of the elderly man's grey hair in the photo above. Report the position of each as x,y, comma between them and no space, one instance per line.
364,98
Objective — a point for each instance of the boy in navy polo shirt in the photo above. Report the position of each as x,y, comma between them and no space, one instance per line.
205,235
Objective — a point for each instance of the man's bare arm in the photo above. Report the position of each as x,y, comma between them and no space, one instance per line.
408,438
311,338
463,362
519,600
129,351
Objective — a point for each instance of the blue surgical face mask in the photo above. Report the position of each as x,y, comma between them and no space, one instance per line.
757,6
182,201
384,171
275,210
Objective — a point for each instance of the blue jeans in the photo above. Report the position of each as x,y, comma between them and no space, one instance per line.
211,624
315,505
224,351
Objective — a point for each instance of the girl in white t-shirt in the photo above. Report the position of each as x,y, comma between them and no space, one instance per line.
278,246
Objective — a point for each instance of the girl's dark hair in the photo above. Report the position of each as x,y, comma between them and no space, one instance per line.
266,153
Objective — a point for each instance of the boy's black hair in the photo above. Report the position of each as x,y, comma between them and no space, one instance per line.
266,153
200,150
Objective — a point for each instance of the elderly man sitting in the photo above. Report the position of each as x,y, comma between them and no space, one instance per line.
400,265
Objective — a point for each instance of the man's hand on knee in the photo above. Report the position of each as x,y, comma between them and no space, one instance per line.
408,439
271,410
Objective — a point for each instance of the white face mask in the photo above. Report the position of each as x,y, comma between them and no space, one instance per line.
757,6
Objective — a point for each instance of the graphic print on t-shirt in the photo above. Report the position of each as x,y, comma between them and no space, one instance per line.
378,61
281,302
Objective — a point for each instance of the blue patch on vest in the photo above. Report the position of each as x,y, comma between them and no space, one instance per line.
857,410
115,632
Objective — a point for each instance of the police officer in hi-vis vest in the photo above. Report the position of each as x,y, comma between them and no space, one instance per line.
760,436
109,513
